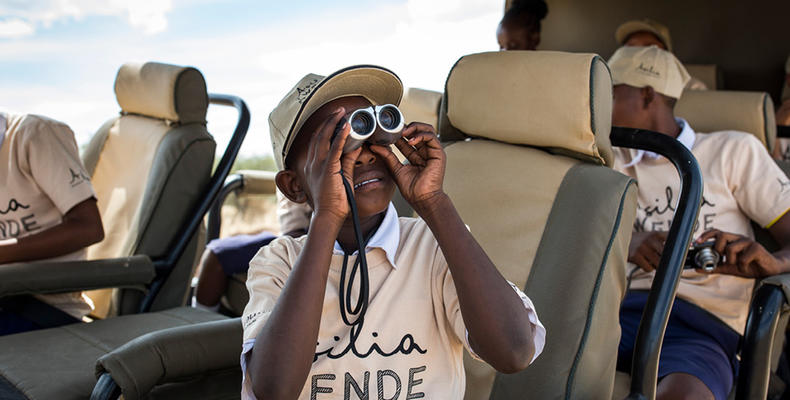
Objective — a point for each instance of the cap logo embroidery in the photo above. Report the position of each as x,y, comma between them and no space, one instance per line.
304,92
648,70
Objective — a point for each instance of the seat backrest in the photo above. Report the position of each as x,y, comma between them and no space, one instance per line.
421,105
149,166
527,137
709,74
719,110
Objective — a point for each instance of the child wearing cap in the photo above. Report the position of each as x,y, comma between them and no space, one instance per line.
520,28
741,184
646,32
47,209
431,290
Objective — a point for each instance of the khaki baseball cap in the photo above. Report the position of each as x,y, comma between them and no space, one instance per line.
649,66
645,25
377,84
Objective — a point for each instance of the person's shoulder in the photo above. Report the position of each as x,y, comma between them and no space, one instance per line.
726,140
414,232
28,126
284,247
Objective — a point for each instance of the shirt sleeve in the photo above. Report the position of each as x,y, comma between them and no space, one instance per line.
54,163
453,313
266,278
760,187
292,216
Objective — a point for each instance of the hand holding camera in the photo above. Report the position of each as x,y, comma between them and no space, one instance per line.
703,256
740,255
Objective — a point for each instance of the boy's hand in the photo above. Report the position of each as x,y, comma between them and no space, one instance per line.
646,248
324,166
742,256
420,181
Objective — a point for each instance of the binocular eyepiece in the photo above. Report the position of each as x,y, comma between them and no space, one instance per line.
363,123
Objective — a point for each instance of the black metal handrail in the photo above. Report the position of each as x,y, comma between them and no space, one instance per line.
233,183
758,341
644,367
165,264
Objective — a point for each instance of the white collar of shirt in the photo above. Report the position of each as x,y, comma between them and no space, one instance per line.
686,137
387,237
2,128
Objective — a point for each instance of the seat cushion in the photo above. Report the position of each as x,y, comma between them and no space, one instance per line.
554,226
59,363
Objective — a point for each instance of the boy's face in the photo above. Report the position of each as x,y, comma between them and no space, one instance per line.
628,107
373,184
512,37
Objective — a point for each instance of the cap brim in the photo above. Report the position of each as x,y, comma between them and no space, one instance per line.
377,84
626,29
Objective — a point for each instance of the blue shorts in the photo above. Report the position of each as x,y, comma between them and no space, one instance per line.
234,253
11,323
695,343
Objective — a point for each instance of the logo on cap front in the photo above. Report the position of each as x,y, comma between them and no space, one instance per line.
304,92
648,70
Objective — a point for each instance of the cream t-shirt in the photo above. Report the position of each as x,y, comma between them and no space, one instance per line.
41,179
741,183
412,340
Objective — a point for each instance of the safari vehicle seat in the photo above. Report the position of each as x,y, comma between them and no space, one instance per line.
709,74
421,105
151,168
527,141
711,111
162,132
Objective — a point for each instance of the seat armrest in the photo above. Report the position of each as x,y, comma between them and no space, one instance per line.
258,182
765,322
782,281
174,354
69,276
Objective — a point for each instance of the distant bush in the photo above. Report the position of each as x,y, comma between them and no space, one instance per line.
260,163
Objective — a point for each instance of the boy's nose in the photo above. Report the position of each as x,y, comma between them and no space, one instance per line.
366,156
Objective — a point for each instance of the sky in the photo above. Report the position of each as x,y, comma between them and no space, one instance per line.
59,57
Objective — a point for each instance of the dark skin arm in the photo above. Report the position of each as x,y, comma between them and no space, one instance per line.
81,227
497,322
280,361
743,256
749,259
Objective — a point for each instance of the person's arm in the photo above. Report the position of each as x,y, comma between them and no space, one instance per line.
280,360
81,227
495,317
747,258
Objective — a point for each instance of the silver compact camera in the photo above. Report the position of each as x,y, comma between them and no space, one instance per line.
363,124
703,256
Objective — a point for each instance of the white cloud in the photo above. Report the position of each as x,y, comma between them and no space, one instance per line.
417,40
14,28
149,16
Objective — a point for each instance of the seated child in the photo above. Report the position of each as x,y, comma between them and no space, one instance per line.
431,290
47,207
225,257
519,29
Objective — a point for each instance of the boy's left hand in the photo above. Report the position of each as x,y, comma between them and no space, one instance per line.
743,256
420,181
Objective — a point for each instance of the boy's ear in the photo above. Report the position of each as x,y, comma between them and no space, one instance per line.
289,185
648,96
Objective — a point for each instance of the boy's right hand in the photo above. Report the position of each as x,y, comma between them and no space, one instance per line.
646,248
324,166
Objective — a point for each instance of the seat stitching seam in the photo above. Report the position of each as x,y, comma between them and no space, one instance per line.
591,308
